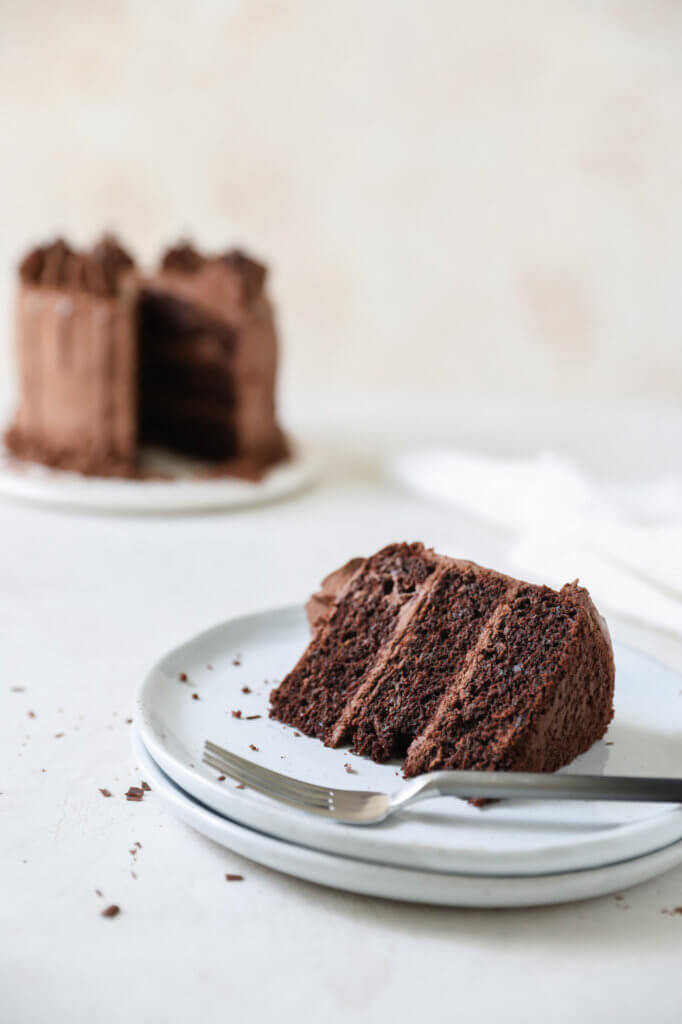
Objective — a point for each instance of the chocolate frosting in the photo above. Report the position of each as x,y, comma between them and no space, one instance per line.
320,605
184,258
99,271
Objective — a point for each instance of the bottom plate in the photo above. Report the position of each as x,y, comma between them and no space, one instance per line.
401,883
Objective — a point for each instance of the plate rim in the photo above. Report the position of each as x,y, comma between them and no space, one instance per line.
319,833
386,881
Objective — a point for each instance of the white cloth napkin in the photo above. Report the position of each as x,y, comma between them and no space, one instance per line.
622,540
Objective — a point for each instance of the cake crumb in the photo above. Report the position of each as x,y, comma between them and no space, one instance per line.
183,677
31,714
221,778
250,718
246,689
105,792
297,734
608,743
672,913
236,714
234,878
237,660
146,787
240,785
111,911
195,696
129,721
58,735
135,793
252,746
350,769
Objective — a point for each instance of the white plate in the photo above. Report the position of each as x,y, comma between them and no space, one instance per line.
401,883
185,492
445,834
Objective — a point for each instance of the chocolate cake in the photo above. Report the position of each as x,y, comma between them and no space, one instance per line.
447,664
111,360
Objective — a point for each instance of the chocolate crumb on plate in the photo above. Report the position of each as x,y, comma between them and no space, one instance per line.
234,878
250,718
146,787
183,677
31,714
129,721
240,785
221,778
195,696
105,792
349,768
236,714
111,911
58,735
238,660
98,892
252,746
135,793
246,689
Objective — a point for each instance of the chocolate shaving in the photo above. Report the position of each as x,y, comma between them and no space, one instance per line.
146,787
236,714
234,878
250,718
105,792
135,793
112,911
252,746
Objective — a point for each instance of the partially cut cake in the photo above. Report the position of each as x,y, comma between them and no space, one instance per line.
111,360
450,665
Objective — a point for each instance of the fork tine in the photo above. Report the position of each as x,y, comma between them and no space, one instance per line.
305,790
315,806
257,778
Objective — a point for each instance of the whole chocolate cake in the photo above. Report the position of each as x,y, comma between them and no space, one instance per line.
111,360
449,665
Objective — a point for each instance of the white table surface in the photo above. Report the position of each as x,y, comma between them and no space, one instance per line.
88,602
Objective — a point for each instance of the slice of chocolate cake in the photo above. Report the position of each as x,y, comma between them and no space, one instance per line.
450,665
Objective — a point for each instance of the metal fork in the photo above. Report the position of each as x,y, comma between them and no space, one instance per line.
359,807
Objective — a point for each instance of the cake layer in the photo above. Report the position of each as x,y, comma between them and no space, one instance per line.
369,609
407,682
537,692
451,664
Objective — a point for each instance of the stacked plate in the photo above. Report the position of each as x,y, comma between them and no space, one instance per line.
515,853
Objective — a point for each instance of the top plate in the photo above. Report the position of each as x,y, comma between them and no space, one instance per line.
447,835
184,492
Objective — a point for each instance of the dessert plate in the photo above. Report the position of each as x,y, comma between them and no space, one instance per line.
186,490
352,875
216,686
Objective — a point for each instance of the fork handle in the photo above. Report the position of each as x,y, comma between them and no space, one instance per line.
527,785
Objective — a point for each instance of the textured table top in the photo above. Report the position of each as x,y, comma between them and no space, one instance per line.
87,603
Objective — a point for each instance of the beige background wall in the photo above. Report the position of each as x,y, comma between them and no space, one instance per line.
468,197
